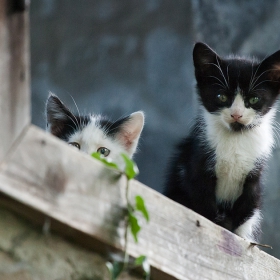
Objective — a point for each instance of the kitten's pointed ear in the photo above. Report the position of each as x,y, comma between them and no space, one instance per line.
271,66
204,57
130,130
57,114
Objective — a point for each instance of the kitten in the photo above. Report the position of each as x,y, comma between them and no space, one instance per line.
94,133
217,170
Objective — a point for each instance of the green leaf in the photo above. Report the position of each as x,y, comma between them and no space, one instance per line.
146,268
139,261
106,161
115,269
143,262
140,206
134,225
131,169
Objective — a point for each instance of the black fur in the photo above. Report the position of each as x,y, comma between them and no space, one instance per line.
239,72
191,179
112,128
191,182
63,123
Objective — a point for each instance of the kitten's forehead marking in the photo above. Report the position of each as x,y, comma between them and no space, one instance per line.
237,106
238,90
238,101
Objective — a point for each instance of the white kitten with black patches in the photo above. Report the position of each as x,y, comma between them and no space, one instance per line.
217,170
237,153
95,133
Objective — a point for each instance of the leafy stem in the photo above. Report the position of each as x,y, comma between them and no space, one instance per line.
126,256
131,221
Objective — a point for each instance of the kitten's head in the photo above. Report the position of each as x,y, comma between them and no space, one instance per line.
94,133
238,91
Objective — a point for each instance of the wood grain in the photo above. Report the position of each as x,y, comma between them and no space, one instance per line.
79,193
14,75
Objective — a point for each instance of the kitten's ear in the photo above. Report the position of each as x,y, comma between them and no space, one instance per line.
271,66
204,57
130,130
57,115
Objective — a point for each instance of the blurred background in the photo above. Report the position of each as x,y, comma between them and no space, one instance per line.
117,57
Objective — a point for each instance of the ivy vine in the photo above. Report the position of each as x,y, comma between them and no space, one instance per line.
132,224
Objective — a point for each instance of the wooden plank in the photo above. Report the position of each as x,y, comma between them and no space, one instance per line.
47,176
28,253
14,73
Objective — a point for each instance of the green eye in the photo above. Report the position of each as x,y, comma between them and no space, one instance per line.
75,144
222,97
103,151
253,100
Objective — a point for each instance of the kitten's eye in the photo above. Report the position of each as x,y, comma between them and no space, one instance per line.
75,144
103,151
222,97
254,100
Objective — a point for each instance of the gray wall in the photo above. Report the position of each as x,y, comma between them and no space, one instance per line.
116,57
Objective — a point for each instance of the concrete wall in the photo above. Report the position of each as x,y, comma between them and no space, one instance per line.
30,253
116,57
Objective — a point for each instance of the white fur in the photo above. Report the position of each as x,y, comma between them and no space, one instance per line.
246,230
237,152
248,115
93,137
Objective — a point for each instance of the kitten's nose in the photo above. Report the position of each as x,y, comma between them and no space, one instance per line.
236,117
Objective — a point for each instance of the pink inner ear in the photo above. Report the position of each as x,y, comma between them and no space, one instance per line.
130,132
128,138
126,141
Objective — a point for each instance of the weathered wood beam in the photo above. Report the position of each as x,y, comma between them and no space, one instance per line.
14,72
46,176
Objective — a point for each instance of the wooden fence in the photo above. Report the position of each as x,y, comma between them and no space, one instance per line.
42,177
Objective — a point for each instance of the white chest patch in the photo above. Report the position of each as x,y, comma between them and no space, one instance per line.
236,153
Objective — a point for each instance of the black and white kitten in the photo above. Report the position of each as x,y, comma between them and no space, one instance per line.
217,170
93,133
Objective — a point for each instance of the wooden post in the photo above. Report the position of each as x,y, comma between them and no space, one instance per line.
14,72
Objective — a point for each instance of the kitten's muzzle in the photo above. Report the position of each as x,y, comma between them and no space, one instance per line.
236,123
236,117
236,126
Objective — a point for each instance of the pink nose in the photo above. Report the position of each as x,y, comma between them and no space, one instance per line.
236,117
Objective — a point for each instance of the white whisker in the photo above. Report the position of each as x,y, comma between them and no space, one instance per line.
80,125
220,70
253,81
259,84
221,83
